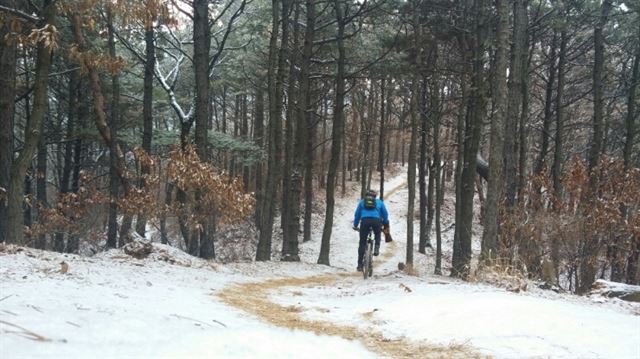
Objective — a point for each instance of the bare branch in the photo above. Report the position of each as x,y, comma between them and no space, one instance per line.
172,96
174,72
130,47
37,8
184,117
224,11
180,9
215,57
168,53
177,43
21,14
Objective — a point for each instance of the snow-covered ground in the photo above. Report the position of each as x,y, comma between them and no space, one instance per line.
172,305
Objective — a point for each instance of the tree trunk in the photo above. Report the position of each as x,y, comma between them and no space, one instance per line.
78,153
41,183
223,109
631,117
589,260
526,59
308,174
495,184
201,47
598,89
275,84
435,104
15,220
514,101
147,112
411,172
460,136
72,118
258,137
381,141
346,164
336,136
439,193
168,191
366,144
630,124
389,101
323,147
27,213
475,117
290,137
7,107
415,117
100,118
558,154
236,117
373,115
244,132
114,119
422,173
548,108
301,125
307,112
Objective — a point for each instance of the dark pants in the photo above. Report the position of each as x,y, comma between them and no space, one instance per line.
366,224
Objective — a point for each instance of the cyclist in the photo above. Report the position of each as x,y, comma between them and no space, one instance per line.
371,214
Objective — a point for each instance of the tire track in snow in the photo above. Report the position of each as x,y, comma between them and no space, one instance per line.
253,298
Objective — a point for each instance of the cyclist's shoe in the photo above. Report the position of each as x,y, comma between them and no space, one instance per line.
359,269
376,250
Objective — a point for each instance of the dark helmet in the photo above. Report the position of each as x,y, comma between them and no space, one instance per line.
372,193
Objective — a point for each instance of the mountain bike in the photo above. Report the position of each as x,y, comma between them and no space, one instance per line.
367,260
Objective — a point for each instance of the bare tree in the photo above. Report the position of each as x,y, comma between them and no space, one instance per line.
476,109
336,134
588,266
147,103
7,96
15,219
276,73
494,188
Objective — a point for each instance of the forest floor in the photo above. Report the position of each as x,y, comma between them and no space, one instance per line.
173,305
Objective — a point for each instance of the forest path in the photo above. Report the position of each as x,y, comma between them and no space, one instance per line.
254,298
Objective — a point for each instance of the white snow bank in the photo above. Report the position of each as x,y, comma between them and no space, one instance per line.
613,289
259,341
510,325
113,306
491,320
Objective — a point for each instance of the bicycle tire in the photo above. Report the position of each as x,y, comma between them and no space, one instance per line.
366,262
370,261
370,269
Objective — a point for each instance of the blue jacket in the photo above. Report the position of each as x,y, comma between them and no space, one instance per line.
379,212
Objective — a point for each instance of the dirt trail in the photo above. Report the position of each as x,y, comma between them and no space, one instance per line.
253,298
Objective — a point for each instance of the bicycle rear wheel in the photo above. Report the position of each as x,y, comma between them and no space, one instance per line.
365,262
369,267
